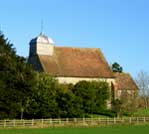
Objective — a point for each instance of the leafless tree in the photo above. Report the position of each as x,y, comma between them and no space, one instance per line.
142,81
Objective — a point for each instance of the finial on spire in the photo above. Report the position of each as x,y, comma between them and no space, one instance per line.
42,27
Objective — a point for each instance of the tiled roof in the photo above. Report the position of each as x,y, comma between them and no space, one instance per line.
124,81
76,62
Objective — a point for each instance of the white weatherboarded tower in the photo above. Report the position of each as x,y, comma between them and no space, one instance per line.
41,45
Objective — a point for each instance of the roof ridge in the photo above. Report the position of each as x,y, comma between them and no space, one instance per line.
76,47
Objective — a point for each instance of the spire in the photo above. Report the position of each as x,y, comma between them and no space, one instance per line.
42,27
0,28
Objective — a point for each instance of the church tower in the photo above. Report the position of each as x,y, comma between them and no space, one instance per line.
41,45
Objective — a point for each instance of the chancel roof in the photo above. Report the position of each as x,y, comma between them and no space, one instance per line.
124,81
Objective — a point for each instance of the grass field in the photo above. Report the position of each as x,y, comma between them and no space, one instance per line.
144,129
142,112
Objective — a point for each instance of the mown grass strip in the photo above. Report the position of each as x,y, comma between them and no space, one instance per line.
144,129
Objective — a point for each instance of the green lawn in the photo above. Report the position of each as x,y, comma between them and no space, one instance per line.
144,129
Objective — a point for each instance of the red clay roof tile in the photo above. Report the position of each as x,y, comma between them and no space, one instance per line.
76,62
124,81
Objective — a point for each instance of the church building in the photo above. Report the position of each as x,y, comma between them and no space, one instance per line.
71,65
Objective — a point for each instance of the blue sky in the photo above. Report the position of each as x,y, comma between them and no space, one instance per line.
119,27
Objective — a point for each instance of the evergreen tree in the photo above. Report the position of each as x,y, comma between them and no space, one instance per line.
16,81
92,96
116,67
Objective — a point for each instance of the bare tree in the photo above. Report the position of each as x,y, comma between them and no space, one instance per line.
125,104
142,81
